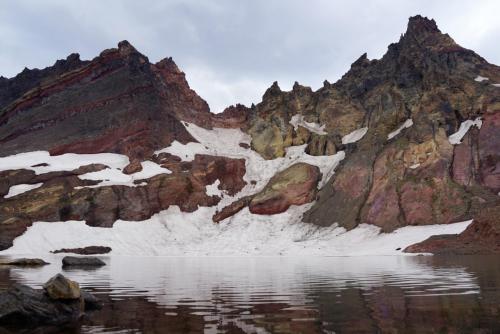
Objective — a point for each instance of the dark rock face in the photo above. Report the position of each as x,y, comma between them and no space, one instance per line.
73,261
417,177
90,250
118,102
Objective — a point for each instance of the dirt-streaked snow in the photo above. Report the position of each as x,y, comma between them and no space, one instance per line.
408,123
456,138
354,136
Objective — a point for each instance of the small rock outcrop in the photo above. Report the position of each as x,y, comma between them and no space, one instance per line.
89,250
88,261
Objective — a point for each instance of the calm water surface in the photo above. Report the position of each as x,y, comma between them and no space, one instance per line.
283,295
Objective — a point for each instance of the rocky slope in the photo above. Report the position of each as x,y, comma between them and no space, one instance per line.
417,135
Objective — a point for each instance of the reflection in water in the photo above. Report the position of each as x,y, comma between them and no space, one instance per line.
286,295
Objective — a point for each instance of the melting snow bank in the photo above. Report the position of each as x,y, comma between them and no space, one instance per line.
456,138
354,136
405,125
313,127
175,233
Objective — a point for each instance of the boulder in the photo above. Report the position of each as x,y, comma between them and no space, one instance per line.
60,287
134,167
73,261
23,306
296,185
61,302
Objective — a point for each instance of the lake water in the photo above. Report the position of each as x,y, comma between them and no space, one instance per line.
283,294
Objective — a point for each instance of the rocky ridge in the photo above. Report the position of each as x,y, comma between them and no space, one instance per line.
398,123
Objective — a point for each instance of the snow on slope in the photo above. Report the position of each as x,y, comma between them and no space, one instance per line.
298,120
175,233
172,232
456,138
225,142
42,162
354,136
405,125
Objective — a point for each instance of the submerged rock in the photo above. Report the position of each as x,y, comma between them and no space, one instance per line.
24,262
69,261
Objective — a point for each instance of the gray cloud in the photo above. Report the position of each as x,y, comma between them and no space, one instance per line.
231,50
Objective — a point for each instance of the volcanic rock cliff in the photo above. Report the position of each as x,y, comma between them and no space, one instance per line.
417,134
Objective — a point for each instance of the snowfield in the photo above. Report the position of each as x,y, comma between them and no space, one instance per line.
175,233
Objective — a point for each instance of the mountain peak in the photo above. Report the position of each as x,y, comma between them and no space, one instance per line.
419,24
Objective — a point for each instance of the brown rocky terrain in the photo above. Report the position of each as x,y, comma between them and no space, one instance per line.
121,103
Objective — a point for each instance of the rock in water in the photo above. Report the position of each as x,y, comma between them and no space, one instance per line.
74,261
23,306
59,287
24,262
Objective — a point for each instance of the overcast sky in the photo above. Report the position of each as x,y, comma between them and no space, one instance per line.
231,50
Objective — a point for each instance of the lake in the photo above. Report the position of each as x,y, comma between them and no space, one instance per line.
391,294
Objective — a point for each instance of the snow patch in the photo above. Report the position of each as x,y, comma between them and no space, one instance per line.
21,188
213,189
70,161
312,127
64,162
415,166
408,123
496,85
456,138
480,78
354,136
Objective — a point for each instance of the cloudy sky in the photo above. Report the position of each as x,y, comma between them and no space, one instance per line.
232,50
